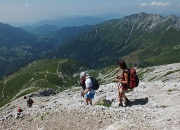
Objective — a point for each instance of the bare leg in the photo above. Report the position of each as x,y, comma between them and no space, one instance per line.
86,101
124,96
90,102
120,95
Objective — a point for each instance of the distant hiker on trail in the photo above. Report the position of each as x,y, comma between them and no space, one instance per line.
19,113
29,102
123,79
89,87
19,110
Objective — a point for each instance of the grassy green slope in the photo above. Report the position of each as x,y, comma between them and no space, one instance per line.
58,74
163,49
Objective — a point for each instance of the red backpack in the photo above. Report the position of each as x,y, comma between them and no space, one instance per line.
133,78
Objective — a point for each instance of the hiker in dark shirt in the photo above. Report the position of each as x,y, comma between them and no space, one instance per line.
29,102
123,79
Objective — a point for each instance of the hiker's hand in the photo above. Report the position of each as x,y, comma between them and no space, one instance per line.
117,80
82,94
119,76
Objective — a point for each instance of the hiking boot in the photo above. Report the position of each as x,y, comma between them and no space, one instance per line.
127,101
120,105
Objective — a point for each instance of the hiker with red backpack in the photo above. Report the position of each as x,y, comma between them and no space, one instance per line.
128,80
89,85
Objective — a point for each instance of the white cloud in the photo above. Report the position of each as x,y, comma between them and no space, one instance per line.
178,4
26,5
155,3
143,4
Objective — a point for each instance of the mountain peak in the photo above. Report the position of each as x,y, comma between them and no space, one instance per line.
174,20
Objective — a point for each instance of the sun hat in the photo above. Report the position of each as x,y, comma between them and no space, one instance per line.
82,74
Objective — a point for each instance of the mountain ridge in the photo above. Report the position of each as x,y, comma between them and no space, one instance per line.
134,33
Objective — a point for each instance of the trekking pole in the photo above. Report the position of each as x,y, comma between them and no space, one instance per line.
117,84
81,97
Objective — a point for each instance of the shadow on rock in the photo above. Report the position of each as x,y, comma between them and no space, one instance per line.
141,101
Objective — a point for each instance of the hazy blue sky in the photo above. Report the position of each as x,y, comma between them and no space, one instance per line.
36,10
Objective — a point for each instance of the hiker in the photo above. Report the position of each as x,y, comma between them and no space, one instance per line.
123,79
88,93
19,113
29,102
19,110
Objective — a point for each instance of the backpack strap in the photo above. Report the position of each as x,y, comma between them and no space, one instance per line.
128,72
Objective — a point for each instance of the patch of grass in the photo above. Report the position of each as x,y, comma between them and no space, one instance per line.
162,106
28,91
144,71
43,115
170,90
170,72
152,78
30,120
104,102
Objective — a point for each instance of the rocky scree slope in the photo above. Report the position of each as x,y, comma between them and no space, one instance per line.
154,106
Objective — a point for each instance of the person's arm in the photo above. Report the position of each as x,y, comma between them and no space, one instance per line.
82,93
88,84
86,90
126,79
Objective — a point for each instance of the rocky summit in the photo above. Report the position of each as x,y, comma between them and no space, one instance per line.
154,106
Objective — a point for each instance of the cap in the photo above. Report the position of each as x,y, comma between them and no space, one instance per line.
82,74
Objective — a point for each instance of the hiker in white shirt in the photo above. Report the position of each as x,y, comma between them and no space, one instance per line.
88,93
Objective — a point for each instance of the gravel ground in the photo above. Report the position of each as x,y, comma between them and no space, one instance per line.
154,106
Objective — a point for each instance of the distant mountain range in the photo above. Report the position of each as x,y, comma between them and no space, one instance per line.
48,26
142,39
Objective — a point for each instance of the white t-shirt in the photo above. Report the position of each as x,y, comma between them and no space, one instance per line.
89,84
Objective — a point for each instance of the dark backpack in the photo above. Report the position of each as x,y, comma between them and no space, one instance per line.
133,78
30,101
95,84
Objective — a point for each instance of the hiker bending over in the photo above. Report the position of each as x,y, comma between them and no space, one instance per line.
19,110
88,93
123,79
19,113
